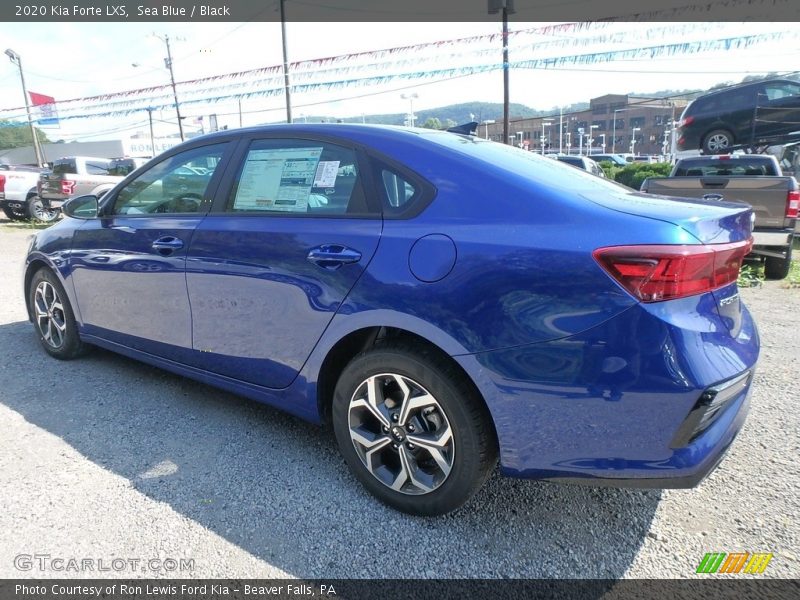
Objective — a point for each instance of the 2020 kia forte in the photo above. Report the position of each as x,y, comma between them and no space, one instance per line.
438,299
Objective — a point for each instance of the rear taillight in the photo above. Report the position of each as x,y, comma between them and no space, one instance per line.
792,204
67,187
2,183
686,121
657,273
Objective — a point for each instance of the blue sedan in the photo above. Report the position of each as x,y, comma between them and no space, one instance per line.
439,300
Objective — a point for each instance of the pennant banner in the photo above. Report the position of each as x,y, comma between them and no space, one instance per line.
464,57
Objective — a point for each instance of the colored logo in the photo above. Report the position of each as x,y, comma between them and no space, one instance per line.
736,562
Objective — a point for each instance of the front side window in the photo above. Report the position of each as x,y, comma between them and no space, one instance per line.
298,177
176,185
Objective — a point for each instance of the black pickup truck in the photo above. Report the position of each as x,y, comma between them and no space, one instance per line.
752,178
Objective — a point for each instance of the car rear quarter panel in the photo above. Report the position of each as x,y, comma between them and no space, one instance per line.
523,271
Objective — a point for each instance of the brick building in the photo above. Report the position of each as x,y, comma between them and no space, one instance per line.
608,125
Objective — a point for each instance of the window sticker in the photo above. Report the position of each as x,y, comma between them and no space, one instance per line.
326,174
277,179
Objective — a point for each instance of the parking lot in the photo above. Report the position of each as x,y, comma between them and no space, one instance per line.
105,458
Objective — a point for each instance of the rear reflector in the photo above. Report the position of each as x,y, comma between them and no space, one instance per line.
666,272
67,187
2,183
792,204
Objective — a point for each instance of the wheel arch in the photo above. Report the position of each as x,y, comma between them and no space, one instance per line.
353,343
36,263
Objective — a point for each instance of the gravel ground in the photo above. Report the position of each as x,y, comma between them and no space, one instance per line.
107,458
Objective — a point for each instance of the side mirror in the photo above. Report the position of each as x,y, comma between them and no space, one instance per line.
81,207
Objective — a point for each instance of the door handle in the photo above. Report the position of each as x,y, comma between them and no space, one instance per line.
333,256
167,245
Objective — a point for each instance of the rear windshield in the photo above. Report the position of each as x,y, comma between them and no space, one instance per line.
63,167
98,167
520,163
725,168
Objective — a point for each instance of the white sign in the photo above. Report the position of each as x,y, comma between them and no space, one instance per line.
277,179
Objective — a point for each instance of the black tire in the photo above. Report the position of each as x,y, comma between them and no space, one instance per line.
464,420
718,141
14,215
52,316
778,268
38,212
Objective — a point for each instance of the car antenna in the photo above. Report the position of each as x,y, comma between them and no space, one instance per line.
470,128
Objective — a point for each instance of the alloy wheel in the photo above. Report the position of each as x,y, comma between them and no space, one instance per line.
49,313
42,213
401,434
718,142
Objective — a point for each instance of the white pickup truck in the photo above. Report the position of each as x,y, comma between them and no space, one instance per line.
18,191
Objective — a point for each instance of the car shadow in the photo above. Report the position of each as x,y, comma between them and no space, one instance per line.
276,486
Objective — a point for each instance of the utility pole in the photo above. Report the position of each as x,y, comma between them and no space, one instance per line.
168,64
152,137
285,65
14,57
507,7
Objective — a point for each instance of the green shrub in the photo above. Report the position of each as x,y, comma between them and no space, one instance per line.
634,174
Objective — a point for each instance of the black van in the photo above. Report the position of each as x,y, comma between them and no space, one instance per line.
759,112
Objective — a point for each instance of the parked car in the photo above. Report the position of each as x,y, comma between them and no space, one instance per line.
582,162
616,159
73,176
755,113
755,179
436,298
18,189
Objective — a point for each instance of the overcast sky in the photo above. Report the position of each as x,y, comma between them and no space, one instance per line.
68,60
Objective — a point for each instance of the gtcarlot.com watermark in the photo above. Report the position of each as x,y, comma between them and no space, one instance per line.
71,564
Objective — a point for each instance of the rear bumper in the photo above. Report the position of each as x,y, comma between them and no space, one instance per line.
13,204
610,406
773,238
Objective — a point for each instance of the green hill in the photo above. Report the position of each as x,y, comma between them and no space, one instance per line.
452,114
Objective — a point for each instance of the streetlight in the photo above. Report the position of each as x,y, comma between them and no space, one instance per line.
545,123
520,135
14,58
614,134
487,122
591,139
580,141
410,97
569,142
168,64
633,138
603,145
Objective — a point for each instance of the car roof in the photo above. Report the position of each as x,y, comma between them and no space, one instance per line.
745,85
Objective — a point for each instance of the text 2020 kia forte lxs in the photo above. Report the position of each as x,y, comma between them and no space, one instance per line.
440,300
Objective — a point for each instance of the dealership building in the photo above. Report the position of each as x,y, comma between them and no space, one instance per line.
609,125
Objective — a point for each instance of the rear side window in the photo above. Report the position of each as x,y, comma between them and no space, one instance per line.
398,190
776,91
298,178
